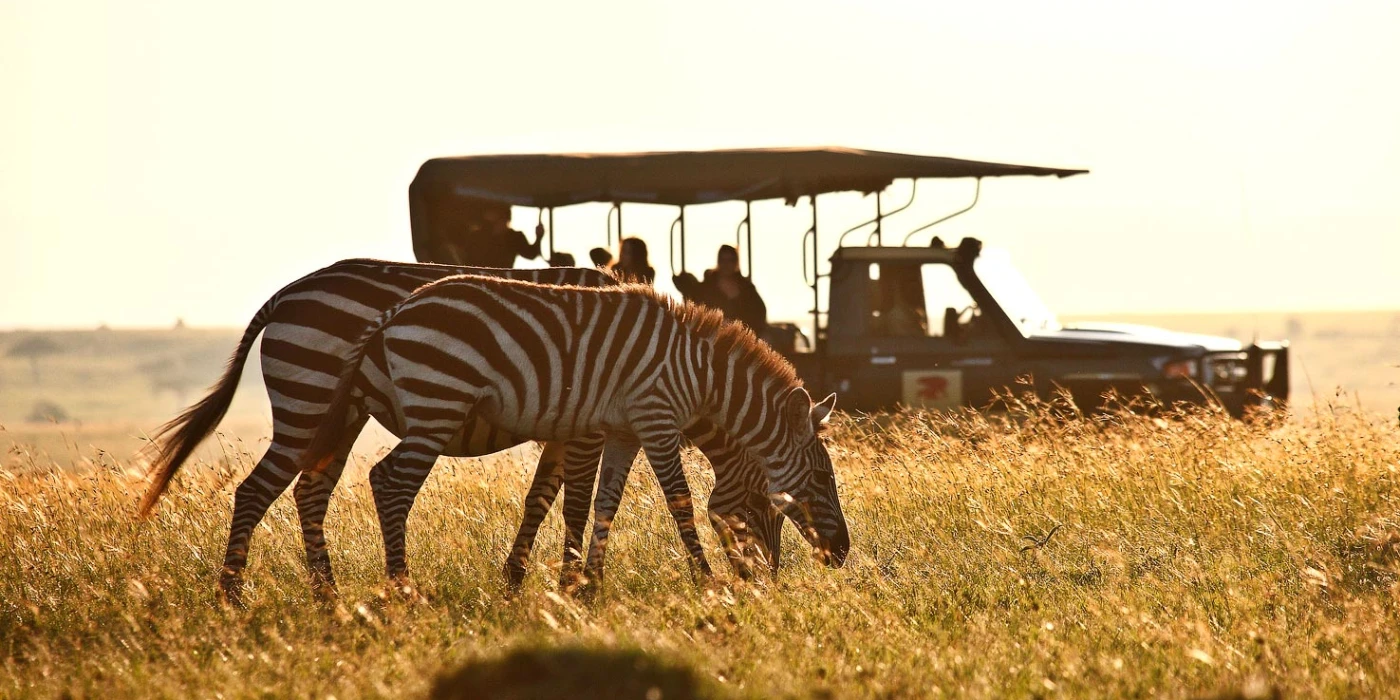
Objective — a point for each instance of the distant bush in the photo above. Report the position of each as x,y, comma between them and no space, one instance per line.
572,673
48,412
33,348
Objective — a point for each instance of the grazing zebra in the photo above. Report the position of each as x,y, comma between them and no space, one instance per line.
308,328
556,363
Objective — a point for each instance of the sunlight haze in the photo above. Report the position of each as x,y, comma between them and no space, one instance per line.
185,160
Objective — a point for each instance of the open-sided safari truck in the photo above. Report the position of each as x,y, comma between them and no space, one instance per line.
930,325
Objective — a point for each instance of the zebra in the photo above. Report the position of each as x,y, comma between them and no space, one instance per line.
555,363
307,329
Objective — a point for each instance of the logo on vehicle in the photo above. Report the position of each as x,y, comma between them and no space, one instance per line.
933,388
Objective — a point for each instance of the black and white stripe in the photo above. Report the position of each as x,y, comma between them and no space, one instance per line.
308,329
559,363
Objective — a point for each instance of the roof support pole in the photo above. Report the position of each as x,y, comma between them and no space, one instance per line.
671,240
616,208
816,276
879,218
816,279
742,231
540,229
551,232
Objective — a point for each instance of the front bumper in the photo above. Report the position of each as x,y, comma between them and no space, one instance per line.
1256,377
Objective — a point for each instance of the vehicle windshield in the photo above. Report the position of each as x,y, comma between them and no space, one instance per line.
1021,304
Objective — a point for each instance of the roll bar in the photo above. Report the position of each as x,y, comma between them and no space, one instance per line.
879,216
976,195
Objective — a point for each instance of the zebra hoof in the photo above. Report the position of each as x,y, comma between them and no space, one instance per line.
581,586
403,590
231,591
585,592
325,592
571,578
322,582
514,572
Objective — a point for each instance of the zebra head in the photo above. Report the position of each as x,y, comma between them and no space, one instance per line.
805,483
766,523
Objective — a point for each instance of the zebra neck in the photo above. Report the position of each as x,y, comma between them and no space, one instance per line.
745,397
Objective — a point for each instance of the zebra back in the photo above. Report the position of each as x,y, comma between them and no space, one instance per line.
380,282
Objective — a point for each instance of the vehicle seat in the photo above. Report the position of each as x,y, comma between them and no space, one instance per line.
952,330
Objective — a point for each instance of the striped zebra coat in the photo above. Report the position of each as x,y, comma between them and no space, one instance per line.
556,363
308,329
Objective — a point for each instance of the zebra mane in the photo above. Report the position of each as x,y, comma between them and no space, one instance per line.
730,337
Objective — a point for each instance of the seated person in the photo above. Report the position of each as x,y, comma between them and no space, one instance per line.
632,262
487,240
900,303
905,319
726,290
601,258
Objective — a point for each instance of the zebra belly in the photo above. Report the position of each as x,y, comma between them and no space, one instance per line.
547,425
479,438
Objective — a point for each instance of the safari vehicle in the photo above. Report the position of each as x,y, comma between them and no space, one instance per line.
932,325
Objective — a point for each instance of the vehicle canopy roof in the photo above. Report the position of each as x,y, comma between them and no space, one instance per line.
681,178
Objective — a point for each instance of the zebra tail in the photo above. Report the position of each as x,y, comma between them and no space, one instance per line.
174,442
317,455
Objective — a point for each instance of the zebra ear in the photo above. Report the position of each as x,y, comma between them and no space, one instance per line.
798,409
822,412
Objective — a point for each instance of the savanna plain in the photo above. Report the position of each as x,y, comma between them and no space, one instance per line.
1028,553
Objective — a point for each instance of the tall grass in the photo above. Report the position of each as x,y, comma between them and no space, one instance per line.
1020,555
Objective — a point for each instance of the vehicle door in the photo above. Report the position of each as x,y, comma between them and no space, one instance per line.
928,329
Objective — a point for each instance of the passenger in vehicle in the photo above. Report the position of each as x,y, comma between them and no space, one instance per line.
601,258
727,290
561,260
491,242
472,231
632,263
901,310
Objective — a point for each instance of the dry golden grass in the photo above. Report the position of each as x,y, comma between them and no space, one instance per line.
1133,557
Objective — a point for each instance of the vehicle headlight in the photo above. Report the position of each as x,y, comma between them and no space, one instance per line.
1180,369
1226,369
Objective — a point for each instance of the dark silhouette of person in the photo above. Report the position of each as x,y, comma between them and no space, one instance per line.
562,260
632,263
726,290
474,232
900,302
601,258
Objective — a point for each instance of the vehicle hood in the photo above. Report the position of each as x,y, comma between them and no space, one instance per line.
1129,334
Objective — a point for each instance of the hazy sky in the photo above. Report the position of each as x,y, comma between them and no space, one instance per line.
177,159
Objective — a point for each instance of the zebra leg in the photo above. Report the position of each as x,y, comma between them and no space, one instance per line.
664,452
313,495
580,472
619,452
395,481
725,511
273,473
549,477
